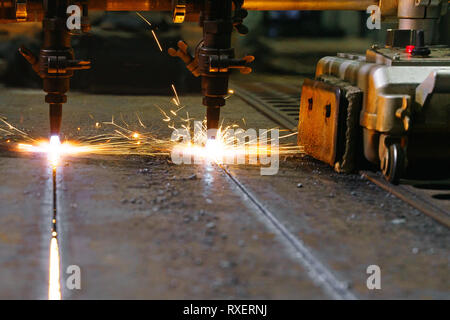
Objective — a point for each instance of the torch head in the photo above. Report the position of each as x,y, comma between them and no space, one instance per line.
212,121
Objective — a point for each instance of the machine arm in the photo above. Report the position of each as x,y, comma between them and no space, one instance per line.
56,62
214,57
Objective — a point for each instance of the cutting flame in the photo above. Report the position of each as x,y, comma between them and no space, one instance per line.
215,149
223,146
54,149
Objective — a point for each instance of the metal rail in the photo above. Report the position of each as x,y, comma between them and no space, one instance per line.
414,199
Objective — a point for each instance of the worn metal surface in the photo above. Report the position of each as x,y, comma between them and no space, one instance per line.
433,205
141,227
25,220
333,286
350,223
159,233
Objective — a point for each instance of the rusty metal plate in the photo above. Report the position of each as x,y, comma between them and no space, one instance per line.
319,120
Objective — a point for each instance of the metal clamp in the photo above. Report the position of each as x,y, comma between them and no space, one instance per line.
223,63
61,65
179,11
183,54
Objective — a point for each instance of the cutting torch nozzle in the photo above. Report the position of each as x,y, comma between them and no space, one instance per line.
212,121
55,118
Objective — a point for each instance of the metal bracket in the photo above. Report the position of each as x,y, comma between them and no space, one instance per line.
179,11
21,11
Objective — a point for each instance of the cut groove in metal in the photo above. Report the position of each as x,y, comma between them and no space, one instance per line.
316,270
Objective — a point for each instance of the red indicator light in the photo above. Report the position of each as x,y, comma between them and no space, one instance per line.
409,49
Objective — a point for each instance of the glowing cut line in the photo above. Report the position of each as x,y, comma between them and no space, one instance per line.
54,286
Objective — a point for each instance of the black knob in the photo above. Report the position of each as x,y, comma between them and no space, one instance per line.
420,49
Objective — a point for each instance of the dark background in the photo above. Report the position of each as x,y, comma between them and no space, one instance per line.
126,59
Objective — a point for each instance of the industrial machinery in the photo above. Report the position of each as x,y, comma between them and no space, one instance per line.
56,62
213,60
390,105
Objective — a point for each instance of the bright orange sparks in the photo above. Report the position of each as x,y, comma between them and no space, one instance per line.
225,148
